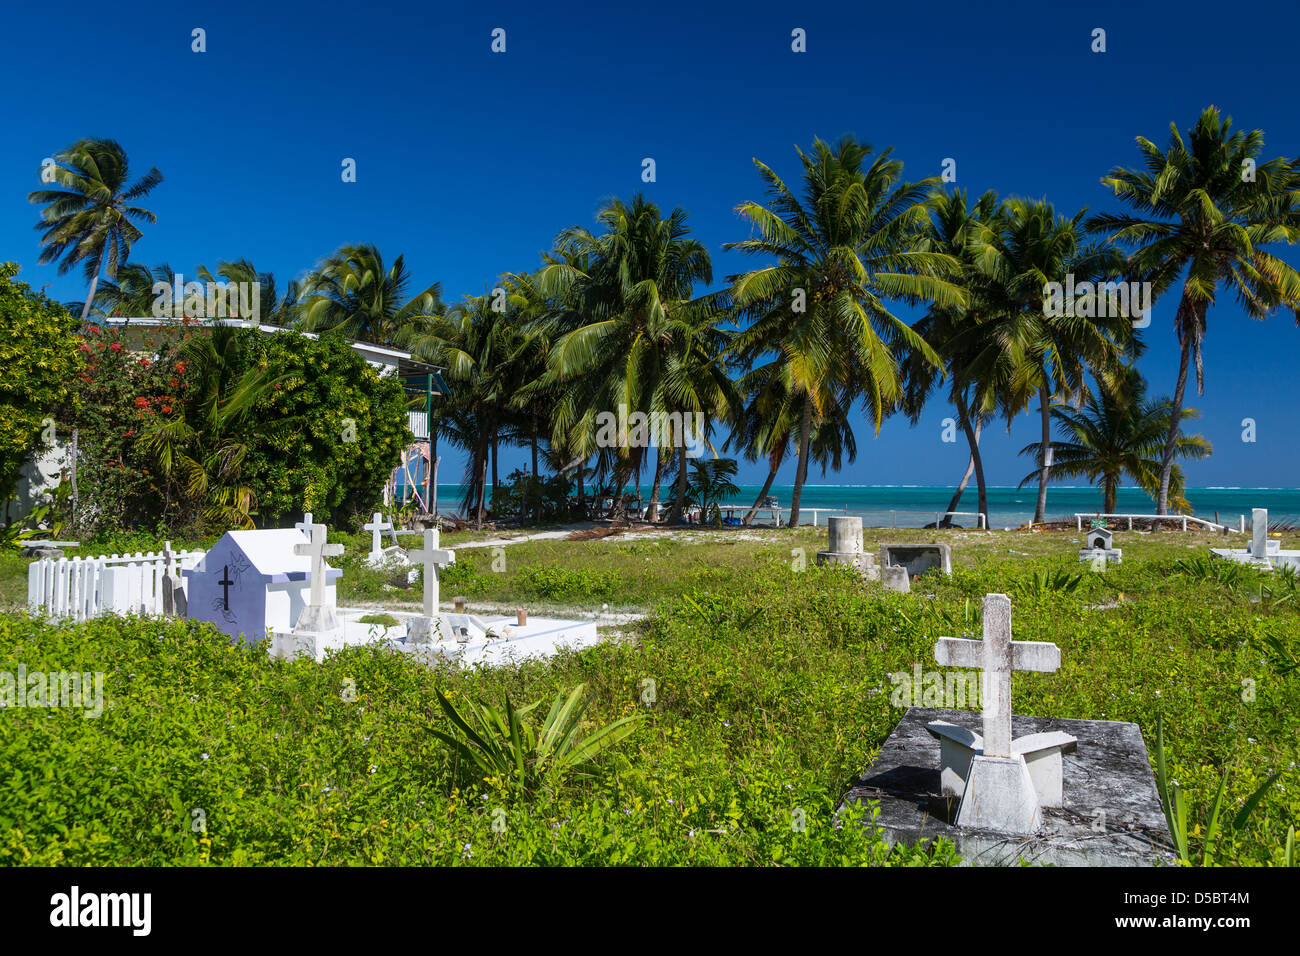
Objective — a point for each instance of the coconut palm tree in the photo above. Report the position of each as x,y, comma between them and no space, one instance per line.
1030,349
842,249
89,220
1204,209
273,308
627,331
354,291
959,333
1119,432
131,294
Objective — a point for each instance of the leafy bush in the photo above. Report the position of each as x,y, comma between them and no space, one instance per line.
334,430
41,360
565,584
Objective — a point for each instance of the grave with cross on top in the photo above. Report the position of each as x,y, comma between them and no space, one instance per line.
252,582
431,557
379,555
1003,783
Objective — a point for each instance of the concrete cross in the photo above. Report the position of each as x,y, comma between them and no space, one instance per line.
998,655
305,524
432,557
318,550
376,527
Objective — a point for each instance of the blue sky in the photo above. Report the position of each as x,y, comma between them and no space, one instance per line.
470,162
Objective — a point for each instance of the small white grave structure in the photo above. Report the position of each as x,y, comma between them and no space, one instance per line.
1099,549
432,626
379,555
250,582
1263,553
845,546
1002,783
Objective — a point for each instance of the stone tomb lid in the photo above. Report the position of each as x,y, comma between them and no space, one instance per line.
1111,815
271,555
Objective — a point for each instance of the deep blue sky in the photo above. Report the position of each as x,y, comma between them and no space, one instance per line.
470,162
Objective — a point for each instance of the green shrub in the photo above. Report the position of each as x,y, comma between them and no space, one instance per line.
566,584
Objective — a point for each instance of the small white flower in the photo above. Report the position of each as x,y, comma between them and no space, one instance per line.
203,756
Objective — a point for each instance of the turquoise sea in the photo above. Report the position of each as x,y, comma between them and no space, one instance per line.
915,505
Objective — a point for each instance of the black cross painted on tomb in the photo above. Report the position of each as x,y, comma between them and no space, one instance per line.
225,583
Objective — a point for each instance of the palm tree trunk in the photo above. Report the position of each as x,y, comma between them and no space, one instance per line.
679,500
537,511
1175,425
977,462
94,283
1045,411
652,512
767,486
495,443
955,500
1108,504
801,472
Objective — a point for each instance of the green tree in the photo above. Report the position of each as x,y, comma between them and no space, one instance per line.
354,292
41,358
330,428
1204,209
89,220
842,250
1119,432
202,446
1036,351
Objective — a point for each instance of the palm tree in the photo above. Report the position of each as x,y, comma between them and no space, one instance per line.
89,220
274,308
1203,209
353,291
1029,350
959,333
131,294
768,425
203,445
841,250
1119,432
710,482
627,331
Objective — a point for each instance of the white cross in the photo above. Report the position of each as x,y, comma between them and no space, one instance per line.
431,556
376,527
305,524
319,551
998,655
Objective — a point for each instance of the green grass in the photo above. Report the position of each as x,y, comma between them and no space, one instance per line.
765,691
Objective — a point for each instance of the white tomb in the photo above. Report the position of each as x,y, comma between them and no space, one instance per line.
432,625
1099,549
1003,783
250,582
1263,553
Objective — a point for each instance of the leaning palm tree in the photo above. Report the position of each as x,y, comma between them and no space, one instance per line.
1033,350
89,220
842,249
1119,432
1204,209
355,292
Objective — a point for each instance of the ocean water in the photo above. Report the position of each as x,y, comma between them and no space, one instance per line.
914,505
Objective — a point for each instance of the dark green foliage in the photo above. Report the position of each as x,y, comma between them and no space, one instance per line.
301,458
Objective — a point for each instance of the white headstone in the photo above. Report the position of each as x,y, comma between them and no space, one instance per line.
1259,533
377,527
431,557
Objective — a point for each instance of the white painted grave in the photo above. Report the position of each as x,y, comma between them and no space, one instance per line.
1263,553
1002,783
250,582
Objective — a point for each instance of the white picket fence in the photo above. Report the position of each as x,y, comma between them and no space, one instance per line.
82,588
